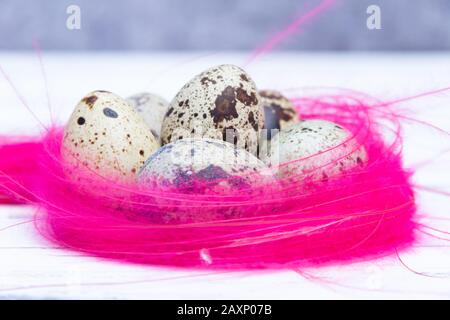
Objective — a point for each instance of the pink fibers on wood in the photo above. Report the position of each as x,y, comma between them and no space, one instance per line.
359,214
18,168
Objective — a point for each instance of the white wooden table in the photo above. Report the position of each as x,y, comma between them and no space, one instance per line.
32,268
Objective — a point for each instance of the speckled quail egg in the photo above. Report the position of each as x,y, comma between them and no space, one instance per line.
220,103
107,136
152,108
209,167
279,111
205,160
316,150
279,114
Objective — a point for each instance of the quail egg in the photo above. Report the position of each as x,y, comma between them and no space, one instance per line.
105,135
207,167
152,108
220,103
315,150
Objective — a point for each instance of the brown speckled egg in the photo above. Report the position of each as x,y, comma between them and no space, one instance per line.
152,108
107,136
204,166
279,111
315,149
220,103
201,158
279,114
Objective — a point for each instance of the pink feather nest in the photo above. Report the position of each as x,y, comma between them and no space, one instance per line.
359,214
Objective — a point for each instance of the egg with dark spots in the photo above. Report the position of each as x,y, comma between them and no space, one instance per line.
279,114
315,150
105,135
220,100
152,108
279,111
203,166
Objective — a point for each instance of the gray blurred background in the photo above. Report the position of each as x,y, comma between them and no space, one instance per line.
221,25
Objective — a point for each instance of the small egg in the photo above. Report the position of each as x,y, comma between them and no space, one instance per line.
204,166
152,108
279,111
107,136
316,150
220,103
279,114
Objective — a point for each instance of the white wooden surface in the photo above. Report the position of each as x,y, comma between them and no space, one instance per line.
32,268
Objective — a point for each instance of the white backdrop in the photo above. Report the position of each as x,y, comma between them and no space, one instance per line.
32,268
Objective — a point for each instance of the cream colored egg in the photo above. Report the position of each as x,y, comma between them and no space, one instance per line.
279,111
220,103
214,161
206,166
107,137
152,108
315,149
279,114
